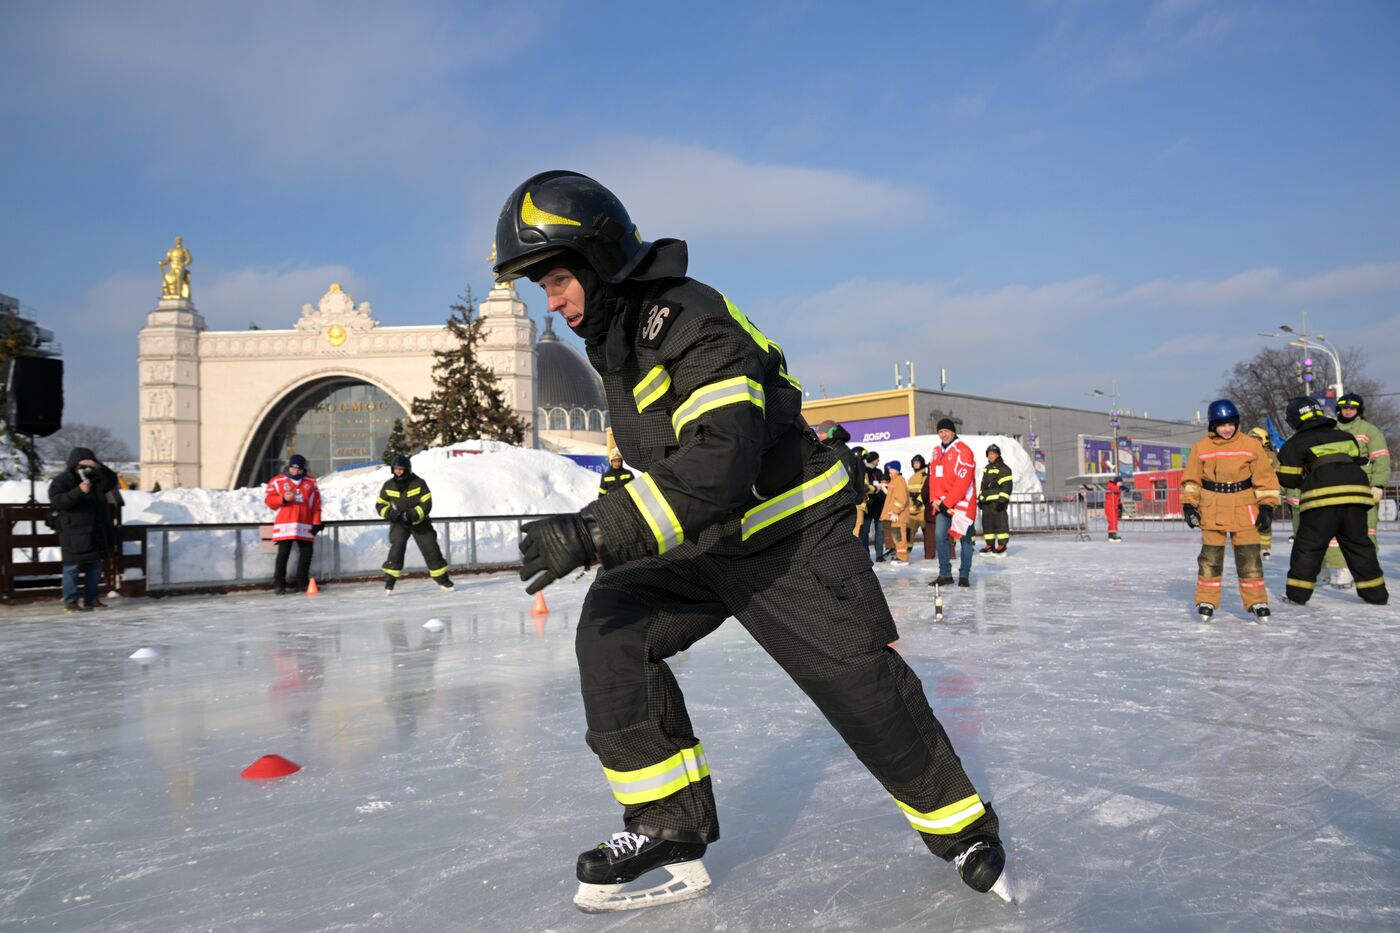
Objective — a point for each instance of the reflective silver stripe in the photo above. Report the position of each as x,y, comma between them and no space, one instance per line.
653,385
686,767
794,500
716,395
657,512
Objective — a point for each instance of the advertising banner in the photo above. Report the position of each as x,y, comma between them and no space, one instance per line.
874,430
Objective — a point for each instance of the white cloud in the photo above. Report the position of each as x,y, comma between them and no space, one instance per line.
669,185
1339,283
309,86
1205,293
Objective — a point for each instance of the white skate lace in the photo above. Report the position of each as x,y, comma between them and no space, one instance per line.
958,861
622,844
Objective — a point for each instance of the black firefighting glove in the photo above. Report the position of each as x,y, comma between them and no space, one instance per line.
552,547
406,518
316,529
1265,521
1193,515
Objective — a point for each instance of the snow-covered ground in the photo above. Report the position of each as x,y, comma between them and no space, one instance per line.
1151,773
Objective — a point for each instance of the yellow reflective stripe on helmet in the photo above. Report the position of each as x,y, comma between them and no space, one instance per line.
717,395
686,767
1301,584
1335,491
794,500
653,385
657,512
1367,584
945,821
534,217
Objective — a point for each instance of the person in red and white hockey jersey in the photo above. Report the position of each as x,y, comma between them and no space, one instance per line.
294,496
952,494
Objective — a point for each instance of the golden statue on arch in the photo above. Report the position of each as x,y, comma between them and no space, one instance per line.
176,279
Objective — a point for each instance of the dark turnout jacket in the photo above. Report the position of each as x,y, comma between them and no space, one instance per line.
85,531
407,494
1326,464
703,407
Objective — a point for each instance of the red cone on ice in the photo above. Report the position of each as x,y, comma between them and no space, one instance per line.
270,766
540,608
312,589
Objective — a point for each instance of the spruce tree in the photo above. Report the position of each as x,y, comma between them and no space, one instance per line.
397,443
466,402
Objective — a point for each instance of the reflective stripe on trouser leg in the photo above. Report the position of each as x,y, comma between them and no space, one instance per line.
865,690
1312,530
633,618
1210,567
1249,568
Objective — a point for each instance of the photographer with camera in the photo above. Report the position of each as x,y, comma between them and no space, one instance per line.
78,500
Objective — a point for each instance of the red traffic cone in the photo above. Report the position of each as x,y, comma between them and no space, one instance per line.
311,588
540,608
269,766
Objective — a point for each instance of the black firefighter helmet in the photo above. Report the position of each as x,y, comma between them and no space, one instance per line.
556,212
1303,410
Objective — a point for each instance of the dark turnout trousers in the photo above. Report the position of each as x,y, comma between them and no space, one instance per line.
1346,523
423,535
813,603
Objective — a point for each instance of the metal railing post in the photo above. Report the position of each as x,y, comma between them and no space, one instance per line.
238,554
165,557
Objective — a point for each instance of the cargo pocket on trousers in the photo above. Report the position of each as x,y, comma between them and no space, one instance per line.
857,605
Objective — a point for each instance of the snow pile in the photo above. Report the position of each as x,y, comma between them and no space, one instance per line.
1015,456
471,478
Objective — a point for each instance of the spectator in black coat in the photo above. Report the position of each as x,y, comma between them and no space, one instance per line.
872,532
78,497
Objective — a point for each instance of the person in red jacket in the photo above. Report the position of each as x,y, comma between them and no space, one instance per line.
952,495
297,501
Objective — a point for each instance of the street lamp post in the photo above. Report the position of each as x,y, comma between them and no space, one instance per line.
1113,417
1306,342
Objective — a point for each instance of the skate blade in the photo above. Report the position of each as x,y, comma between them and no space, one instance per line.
688,880
1003,888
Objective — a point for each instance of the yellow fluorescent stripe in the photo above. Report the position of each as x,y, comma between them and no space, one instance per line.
717,395
651,388
686,767
945,821
414,491
1340,500
1335,490
1367,584
427,496
763,342
656,512
438,572
392,573
391,494
1302,584
791,380
794,500
534,217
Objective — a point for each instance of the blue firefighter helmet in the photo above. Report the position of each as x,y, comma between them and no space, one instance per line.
1222,411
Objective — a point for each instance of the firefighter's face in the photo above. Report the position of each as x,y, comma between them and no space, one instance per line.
1226,430
1349,412
398,471
563,293
616,463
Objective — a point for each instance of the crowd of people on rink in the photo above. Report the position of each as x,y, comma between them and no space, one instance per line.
940,499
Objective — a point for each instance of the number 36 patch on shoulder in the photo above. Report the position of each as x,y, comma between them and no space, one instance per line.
656,323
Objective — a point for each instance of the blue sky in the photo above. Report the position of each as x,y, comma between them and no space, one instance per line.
1041,197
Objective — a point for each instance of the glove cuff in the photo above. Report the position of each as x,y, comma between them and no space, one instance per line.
591,535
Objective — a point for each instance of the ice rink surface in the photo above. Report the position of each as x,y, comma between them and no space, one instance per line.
1151,773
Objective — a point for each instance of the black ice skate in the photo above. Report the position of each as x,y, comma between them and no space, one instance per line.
1261,613
1206,610
1266,553
987,549
982,867
604,872
389,586
443,582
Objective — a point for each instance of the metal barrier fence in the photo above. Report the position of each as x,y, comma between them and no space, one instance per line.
203,556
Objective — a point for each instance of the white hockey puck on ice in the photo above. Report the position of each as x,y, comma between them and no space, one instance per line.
435,625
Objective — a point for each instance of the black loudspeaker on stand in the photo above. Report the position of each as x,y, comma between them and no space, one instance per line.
34,395
33,402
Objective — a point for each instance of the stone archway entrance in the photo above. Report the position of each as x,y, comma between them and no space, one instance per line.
335,422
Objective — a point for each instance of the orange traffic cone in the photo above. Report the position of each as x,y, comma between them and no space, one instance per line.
311,588
539,609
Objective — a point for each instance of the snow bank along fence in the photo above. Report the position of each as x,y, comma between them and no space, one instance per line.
174,558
